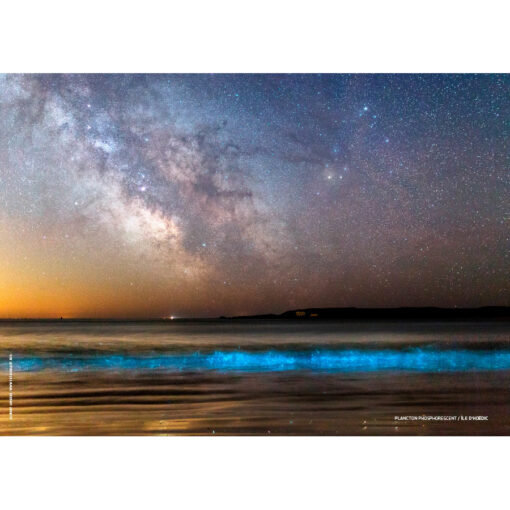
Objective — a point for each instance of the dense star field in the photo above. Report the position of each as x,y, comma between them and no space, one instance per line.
202,195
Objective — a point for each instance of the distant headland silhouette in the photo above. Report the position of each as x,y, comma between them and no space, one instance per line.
393,314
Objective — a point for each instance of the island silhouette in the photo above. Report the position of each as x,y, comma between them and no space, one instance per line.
392,314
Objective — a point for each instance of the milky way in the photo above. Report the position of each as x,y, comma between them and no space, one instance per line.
202,195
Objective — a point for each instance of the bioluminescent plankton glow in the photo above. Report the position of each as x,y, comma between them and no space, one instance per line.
413,360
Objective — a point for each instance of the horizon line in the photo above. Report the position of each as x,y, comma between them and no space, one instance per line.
267,314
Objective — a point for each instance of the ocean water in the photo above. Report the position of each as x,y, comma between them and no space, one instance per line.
254,378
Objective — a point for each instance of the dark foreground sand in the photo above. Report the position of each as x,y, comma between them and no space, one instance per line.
291,403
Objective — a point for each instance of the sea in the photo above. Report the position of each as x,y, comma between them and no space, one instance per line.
254,377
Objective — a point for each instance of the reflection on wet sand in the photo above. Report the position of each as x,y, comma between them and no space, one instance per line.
132,403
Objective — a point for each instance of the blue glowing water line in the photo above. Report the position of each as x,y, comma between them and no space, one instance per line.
320,360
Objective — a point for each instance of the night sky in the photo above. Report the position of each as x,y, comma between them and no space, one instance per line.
206,195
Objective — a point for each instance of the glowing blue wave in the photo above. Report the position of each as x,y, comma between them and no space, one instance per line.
348,360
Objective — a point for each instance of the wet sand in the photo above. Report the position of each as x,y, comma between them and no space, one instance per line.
294,403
